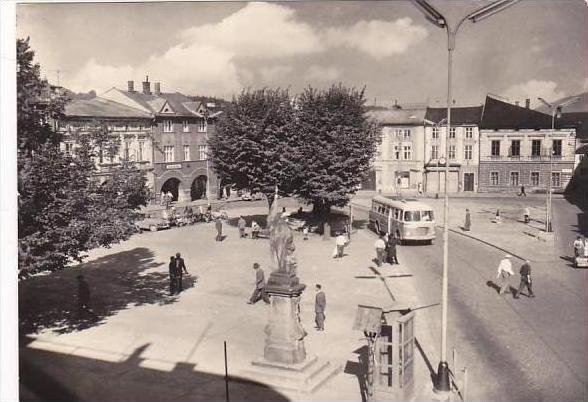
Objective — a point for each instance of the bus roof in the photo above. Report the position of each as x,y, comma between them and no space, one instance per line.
406,205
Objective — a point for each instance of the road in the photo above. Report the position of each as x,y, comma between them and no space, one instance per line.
515,350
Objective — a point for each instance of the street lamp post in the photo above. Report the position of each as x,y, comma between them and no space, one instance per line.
555,110
442,383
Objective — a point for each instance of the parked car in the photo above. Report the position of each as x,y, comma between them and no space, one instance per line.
153,224
246,196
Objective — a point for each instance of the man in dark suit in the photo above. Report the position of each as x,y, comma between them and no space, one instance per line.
392,254
172,275
320,304
259,291
83,296
180,269
526,282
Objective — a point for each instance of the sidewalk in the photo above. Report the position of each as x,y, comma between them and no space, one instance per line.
141,335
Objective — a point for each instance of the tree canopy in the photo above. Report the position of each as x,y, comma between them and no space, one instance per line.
64,210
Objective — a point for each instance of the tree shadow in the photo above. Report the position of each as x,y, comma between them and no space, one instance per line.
117,281
53,376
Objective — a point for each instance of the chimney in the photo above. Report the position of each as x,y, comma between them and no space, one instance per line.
528,103
157,90
516,103
131,86
147,86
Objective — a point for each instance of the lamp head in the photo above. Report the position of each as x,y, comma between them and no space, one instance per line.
490,9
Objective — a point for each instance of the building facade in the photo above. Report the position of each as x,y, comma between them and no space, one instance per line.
519,148
165,133
463,152
399,162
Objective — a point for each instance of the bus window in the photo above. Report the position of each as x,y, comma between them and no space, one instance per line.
412,216
427,215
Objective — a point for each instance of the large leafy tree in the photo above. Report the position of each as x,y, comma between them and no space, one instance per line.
336,143
251,147
63,209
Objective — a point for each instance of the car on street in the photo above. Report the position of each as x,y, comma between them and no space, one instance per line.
247,196
153,224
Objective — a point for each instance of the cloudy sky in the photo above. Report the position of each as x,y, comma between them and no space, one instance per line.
535,48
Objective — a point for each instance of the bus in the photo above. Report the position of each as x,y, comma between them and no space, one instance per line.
408,219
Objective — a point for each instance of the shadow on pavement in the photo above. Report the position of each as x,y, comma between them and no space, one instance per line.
116,281
51,376
359,369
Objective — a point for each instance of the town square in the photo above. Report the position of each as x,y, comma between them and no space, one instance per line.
249,206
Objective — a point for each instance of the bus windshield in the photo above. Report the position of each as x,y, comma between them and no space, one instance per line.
427,216
412,216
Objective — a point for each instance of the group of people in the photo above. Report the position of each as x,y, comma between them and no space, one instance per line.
386,249
581,247
260,293
242,224
505,272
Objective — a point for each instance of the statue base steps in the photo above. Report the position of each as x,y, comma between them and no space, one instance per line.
304,377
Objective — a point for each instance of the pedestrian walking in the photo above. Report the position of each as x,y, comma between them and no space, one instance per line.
305,233
497,218
172,275
241,225
527,215
219,229
526,282
83,296
504,273
340,243
179,271
380,247
468,221
320,304
255,228
578,246
259,290
522,193
391,252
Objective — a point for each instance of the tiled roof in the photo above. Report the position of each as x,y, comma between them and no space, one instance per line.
459,115
400,117
502,115
179,103
100,107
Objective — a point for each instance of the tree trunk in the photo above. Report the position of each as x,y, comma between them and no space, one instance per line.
321,210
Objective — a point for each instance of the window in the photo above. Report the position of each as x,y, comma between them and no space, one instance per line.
68,148
434,152
412,216
127,152
534,179
186,152
397,152
406,134
536,148
495,148
168,126
427,216
407,152
451,152
202,151
469,132
141,150
435,133
397,134
556,147
168,153
452,132
185,126
494,178
514,179
555,179
468,152
202,126
515,148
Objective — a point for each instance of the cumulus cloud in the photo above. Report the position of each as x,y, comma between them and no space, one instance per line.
321,73
533,89
379,39
219,58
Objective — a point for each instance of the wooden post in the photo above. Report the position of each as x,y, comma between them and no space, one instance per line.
226,374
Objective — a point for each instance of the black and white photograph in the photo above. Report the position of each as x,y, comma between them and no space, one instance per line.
330,200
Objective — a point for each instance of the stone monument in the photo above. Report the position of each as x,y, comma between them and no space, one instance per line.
285,363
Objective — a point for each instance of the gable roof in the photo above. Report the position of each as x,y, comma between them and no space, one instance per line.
502,115
398,117
459,115
102,108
